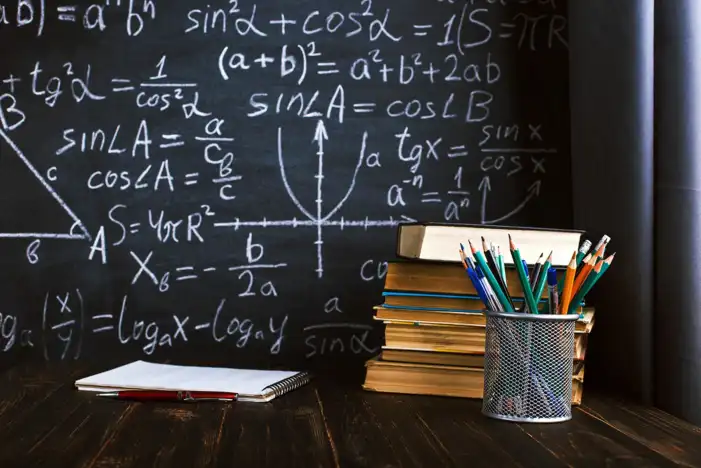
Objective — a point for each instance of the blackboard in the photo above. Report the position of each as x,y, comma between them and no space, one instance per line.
224,179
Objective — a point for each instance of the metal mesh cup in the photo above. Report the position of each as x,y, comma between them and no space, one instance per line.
528,367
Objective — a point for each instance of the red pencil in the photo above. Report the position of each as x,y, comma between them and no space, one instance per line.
158,395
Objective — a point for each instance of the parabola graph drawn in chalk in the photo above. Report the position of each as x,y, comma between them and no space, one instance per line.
321,218
77,223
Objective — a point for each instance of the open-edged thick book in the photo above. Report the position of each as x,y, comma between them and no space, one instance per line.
440,242
250,385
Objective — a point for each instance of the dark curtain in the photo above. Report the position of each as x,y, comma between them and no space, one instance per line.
635,74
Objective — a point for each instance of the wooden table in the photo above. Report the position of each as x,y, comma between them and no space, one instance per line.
44,422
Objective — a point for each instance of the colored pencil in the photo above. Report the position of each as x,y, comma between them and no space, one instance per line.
583,250
475,280
493,300
588,283
588,265
502,267
603,241
527,293
532,280
542,279
581,254
479,258
533,277
582,275
566,296
605,266
492,263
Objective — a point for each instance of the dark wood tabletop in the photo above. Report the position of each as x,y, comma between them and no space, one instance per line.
45,422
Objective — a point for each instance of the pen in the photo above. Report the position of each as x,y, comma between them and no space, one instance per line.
151,395
553,299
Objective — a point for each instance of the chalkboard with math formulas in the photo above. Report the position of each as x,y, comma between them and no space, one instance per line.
226,177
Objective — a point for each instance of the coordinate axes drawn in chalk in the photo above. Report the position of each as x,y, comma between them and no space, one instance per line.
77,223
320,220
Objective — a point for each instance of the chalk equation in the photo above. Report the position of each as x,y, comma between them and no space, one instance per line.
248,156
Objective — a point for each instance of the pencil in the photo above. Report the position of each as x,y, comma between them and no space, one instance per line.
591,279
527,293
533,278
475,281
599,253
581,255
508,307
583,250
583,274
569,282
605,266
544,272
502,267
493,301
603,241
491,262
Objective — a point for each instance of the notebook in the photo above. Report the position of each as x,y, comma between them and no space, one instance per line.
250,385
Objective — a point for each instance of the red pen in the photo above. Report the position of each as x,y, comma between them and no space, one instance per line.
158,395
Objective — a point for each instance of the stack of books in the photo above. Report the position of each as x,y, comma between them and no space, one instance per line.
434,321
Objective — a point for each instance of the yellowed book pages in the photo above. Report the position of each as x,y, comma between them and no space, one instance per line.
465,382
451,339
460,319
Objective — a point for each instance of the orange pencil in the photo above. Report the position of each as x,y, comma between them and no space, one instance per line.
588,266
600,253
569,282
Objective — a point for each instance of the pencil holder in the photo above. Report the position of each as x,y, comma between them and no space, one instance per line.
528,364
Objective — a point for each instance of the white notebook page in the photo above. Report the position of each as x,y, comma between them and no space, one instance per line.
151,376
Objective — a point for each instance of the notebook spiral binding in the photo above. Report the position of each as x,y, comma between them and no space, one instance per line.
289,384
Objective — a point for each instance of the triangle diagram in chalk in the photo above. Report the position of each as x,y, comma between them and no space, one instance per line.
29,207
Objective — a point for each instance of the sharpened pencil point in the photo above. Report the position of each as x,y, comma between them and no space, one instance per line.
472,247
511,243
550,257
462,247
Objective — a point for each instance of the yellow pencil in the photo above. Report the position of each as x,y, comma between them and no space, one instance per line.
569,282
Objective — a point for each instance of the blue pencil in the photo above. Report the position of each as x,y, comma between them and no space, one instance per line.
478,286
491,295
469,269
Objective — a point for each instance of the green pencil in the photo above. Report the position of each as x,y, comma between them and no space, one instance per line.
502,268
605,266
586,286
583,250
540,285
490,278
527,293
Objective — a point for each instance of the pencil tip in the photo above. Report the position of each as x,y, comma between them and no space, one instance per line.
550,257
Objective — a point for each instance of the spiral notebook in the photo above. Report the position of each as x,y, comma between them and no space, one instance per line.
250,384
